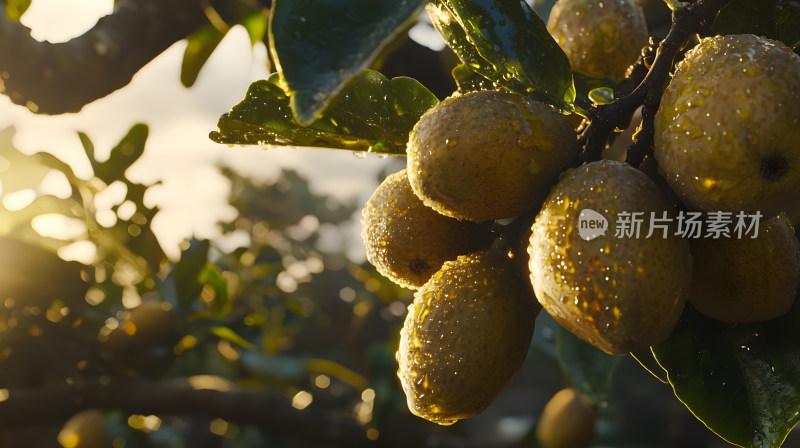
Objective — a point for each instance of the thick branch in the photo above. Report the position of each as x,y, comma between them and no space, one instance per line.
266,408
605,118
63,77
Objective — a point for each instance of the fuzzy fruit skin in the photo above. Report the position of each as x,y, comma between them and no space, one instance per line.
408,242
567,421
488,155
619,294
465,337
748,279
601,38
729,114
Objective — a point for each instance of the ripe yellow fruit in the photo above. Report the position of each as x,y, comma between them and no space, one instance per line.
601,38
567,421
408,242
618,292
488,155
748,279
85,429
728,127
465,336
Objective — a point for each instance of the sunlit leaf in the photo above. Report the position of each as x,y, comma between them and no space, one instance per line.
321,46
16,8
199,48
256,25
506,42
372,114
231,336
469,80
128,151
647,360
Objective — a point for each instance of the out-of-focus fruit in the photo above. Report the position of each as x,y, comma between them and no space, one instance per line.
567,421
747,279
85,429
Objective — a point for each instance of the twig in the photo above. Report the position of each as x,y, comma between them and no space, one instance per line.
63,77
686,21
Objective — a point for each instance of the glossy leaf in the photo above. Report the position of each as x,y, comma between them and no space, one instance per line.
775,19
199,48
589,369
468,80
741,380
320,46
506,42
647,360
372,114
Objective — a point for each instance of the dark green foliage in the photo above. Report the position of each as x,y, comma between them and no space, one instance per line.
321,45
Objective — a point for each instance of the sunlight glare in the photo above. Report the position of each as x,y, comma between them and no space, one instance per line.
59,21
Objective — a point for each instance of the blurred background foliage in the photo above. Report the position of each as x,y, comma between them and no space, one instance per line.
287,312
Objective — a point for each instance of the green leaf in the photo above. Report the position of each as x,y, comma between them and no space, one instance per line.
129,149
320,46
186,274
741,380
16,8
256,25
220,305
589,369
231,336
647,360
198,49
372,114
468,80
506,42
775,19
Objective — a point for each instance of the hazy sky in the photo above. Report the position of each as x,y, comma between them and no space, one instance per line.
193,195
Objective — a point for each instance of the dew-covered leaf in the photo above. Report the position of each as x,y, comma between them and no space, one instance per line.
320,46
371,114
507,43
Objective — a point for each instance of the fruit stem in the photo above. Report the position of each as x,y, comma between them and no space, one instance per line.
606,118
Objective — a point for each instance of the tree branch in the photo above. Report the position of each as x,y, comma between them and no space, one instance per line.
606,118
63,77
268,409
